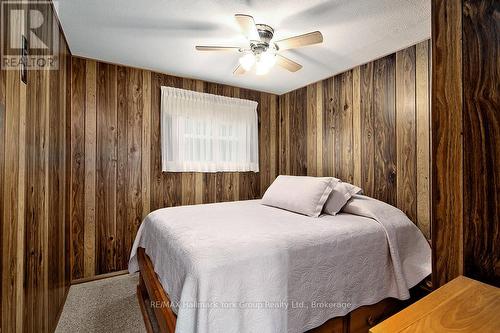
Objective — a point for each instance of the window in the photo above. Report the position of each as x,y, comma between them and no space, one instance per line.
207,133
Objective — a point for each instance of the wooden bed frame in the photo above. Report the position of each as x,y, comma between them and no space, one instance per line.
159,317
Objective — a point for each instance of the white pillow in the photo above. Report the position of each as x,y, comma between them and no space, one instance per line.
339,196
300,194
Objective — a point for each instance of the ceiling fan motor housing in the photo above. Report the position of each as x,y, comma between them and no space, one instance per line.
266,34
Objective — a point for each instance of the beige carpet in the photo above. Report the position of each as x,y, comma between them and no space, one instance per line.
108,305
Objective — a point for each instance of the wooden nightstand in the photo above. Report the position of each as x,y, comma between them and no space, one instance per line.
461,305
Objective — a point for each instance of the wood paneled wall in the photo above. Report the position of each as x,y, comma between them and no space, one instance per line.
116,176
34,228
465,140
368,126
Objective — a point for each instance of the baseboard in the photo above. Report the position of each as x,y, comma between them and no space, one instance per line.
99,277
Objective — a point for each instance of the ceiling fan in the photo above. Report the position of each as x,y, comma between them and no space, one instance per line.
263,51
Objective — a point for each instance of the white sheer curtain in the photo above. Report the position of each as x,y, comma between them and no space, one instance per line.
207,133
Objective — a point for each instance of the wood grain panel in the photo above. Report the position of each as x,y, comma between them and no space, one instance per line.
41,302
33,183
344,128
56,161
107,158
293,157
312,119
90,169
446,122
66,82
319,128
146,143
284,138
134,156
384,118
367,130
361,126
10,192
22,211
2,168
336,125
64,278
129,181
264,142
481,110
356,126
273,136
328,128
77,167
188,188
129,178
298,132
34,256
465,134
122,181
405,132
423,138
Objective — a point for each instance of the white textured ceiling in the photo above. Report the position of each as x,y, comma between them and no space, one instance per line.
161,35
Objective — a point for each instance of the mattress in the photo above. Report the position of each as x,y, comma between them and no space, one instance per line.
245,267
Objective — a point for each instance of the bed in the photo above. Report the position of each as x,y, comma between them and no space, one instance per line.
246,267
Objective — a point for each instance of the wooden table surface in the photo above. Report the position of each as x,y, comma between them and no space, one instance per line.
461,305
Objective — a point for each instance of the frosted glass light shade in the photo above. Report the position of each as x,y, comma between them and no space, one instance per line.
247,61
268,59
265,62
261,68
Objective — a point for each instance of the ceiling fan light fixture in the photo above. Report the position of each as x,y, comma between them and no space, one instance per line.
265,62
247,61
268,59
261,68
263,52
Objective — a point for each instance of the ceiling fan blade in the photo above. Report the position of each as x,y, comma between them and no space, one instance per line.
299,41
239,70
217,48
247,26
286,63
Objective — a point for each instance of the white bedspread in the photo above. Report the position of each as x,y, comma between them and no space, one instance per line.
245,267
